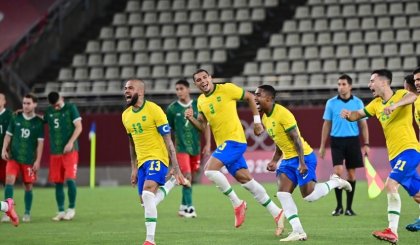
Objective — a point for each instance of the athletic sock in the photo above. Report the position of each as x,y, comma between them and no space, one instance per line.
8,191
150,215
320,190
260,194
164,190
394,209
59,196
350,194
28,201
290,210
187,193
72,192
223,184
4,206
339,197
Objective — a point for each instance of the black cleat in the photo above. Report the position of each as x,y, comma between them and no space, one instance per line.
349,212
337,212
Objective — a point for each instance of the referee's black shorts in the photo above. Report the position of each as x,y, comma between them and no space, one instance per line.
348,149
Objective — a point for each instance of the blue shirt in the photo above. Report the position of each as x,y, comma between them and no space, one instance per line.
341,127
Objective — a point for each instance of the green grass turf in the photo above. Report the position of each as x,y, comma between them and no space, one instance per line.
113,216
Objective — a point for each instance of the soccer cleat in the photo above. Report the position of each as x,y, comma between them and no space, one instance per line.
70,213
59,216
295,236
386,235
349,212
343,184
182,210
26,218
240,214
337,212
11,213
190,212
148,243
5,218
279,223
414,226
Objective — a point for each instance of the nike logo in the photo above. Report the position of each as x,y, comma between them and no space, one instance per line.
152,173
218,152
304,177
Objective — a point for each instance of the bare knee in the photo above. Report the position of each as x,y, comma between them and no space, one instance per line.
243,176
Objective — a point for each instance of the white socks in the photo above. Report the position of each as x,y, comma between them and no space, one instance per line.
261,196
150,215
394,209
4,206
164,190
223,184
320,190
290,210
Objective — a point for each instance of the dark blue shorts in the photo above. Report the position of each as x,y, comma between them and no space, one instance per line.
151,170
404,170
231,154
290,168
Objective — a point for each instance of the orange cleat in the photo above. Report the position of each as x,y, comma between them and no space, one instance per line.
386,235
279,223
11,212
148,243
240,214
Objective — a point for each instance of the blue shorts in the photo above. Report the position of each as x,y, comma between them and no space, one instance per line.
290,166
404,170
231,154
151,170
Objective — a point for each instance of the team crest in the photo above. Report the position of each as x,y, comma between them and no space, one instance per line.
143,118
219,99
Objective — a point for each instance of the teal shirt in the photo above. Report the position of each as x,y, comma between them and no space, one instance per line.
5,118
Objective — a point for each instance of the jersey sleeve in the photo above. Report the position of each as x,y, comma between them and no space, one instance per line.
75,115
41,129
234,91
123,122
370,109
288,121
328,111
170,115
11,127
161,121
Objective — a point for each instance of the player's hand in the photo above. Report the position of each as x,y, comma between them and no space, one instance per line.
303,169
5,155
180,179
345,114
322,152
366,150
189,113
258,129
68,148
389,109
271,166
206,150
36,166
133,177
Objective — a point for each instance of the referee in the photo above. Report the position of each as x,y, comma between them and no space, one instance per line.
345,144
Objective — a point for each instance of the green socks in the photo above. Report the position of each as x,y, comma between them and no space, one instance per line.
187,196
59,196
28,201
8,191
72,192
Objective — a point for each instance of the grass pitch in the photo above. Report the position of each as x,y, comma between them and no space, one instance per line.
114,216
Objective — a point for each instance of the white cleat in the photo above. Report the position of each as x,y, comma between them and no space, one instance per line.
295,236
182,210
279,223
26,218
343,184
70,213
190,212
59,216
5,219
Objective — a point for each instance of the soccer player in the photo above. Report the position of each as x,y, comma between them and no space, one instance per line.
345,145
187,141
22,149
5,116
217,106
394,112
65,125
8,207
150,144
298,164
413,83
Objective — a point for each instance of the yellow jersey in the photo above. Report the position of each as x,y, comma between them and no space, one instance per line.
417,111
145,126
278,124
398,126
219,108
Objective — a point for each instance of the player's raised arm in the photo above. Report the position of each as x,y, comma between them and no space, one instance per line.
172,155
133,157
352,115
408,98
258,128
200,122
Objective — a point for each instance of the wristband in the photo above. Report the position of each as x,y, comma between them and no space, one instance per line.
366,144
257,119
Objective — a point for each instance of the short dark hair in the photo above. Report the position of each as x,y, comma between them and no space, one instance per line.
383,73
183,82
269,90
31,96
346,77
53,97
417,70
198,71
409,79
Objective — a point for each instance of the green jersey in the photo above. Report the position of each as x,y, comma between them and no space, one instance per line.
61,126
187,137
25,134
5,117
